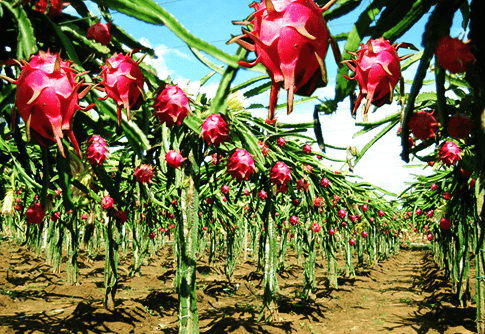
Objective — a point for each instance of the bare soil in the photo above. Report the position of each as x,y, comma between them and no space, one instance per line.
405,294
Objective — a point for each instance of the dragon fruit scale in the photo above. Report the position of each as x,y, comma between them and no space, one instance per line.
122,80
377,70
241,165
47,98
291,40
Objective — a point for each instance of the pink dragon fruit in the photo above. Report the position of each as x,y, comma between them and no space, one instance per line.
307,149
281,141
262,195
47,98
107,202
174,159
225,189
423,125
377,70
144,174
325,182
454,55
100,32
53,7
123,82
171,106
449,153
215,130
35,214
460,126
96,153
280,174
291,40
241,165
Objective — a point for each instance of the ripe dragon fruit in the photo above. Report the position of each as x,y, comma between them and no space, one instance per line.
302,184
307,149
316,227
121,216
325,182
107,202
123,82
225,189
423,125
364,234
460,127
47,98
449,153
52,7
171,106
454,55
291,40
280,174
445,223
215,130
281,142
264,148
144,174
262,195
100,32
377,70
241,165
342,213
35,214
174,159
96,153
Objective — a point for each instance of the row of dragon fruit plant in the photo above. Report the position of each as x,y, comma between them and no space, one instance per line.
256,161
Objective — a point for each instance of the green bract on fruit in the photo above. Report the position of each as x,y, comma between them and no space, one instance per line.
123,82
47,98
291,40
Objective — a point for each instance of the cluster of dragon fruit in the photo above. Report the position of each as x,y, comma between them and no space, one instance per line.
290,38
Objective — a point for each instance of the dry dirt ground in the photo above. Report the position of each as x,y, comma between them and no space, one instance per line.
406,294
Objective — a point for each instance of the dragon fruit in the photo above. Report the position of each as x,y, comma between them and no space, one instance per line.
423,125
225,189
215,130
454,55
342,213
262,195
302,184
264,148
144,174
307,149
281,142
294,220
377,70
47,98
445,223
123,82
460,127
364,234
241,165
449,153
280,174
107,202
325,182
171,106
52,7
96,153
121,216
100,32
291,40
35,214
174,159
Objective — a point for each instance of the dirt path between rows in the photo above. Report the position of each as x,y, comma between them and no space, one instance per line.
405,294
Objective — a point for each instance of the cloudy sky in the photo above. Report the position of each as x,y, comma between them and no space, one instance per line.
212,22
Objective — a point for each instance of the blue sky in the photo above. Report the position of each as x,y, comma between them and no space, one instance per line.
212,21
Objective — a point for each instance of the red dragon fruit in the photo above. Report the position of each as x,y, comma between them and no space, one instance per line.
100,32
35,214
144,174
121,216
241,165
52,7
325,182
280,174
460,127
96,153
107,202
377,70
449,153
307,149
291,40
262,195
423,125
171,106
215,130
47,98
123,81
454,55
445,223
281,142
174,159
